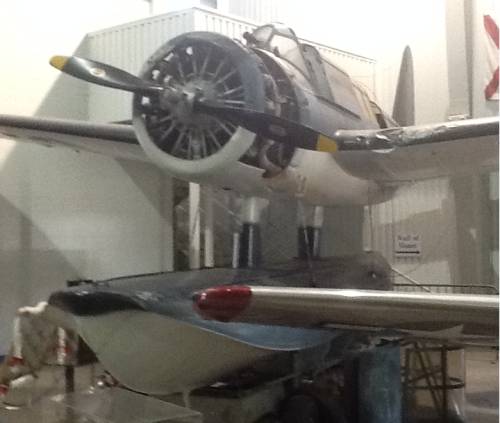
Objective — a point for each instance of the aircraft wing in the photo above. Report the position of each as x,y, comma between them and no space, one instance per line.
390,155
452,317
115,140
420,152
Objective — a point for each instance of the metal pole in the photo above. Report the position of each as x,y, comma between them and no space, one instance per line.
250,243
236,250
309,222
208,201
444,381
367,228
69,378
194,225
167,246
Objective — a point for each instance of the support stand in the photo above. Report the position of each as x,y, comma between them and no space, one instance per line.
310,222
69,378
374,383
194,226
249,240
250,254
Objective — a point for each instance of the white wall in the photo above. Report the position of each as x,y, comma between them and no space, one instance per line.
65,215
167,6
257,10
32,31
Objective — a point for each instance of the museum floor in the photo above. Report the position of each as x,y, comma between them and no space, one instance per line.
481,391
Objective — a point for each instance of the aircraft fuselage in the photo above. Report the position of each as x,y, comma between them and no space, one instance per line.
295,83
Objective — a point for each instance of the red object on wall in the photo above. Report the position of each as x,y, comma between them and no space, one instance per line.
491,89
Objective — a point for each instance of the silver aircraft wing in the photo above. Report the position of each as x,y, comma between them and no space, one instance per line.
114,140
411,153
389,155
449,317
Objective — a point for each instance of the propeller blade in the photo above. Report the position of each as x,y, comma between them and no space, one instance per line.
102,74
270,126
279,129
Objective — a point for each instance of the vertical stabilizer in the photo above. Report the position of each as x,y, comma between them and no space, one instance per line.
403,111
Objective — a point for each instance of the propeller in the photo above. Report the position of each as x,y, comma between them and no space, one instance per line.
102,74
271,126
266,125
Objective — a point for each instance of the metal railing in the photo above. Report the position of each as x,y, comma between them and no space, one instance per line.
441,288
447,288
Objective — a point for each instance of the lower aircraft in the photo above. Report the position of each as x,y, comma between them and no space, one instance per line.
273,119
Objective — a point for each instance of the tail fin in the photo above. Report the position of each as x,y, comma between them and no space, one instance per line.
403,111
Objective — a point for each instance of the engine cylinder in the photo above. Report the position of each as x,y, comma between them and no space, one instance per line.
191,145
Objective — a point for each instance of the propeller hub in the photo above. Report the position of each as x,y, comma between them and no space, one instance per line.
179,101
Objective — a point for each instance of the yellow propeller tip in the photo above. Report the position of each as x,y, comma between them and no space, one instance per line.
326,144
58,61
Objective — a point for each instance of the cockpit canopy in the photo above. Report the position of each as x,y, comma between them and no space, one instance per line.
329,82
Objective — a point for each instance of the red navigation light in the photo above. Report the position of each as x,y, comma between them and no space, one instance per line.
222,303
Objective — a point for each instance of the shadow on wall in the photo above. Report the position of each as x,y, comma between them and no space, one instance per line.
135,171
477,233
158,195
69,216
68,96
40,269
28,274
343,231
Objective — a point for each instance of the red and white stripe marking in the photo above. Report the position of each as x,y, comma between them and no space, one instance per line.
491,28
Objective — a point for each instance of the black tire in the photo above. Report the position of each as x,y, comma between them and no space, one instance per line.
301,408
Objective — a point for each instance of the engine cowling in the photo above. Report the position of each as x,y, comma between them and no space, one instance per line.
191,145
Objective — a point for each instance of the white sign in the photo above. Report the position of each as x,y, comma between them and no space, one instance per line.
407,245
